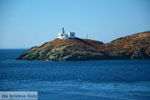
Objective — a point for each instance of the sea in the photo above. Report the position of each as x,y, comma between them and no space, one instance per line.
75,80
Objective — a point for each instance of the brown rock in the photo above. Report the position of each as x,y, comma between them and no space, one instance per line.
136,46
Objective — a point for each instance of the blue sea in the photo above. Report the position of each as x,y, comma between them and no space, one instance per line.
76,80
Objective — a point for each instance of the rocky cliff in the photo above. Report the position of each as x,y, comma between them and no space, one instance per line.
136,46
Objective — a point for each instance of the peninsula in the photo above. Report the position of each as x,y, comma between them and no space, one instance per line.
68,47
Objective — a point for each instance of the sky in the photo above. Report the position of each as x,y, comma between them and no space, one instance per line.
28,23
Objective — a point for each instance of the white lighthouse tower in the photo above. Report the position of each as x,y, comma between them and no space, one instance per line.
63,35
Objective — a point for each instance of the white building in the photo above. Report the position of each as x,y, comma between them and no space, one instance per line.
63,35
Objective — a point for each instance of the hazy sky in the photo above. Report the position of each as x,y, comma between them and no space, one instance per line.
26,23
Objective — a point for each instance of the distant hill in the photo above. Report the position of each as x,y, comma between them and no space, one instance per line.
136,46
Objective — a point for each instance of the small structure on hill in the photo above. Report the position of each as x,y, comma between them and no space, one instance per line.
63,35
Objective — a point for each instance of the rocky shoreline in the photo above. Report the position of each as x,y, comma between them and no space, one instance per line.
136,46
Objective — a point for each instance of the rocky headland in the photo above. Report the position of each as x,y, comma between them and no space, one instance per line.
136,46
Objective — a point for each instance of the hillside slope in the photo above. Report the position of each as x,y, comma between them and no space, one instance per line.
136,46
69,49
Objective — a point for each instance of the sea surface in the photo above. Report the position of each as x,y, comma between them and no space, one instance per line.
76,80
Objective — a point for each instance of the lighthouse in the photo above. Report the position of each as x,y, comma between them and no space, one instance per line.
62,30
63,35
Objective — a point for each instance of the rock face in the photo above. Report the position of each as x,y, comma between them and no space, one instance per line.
136,46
